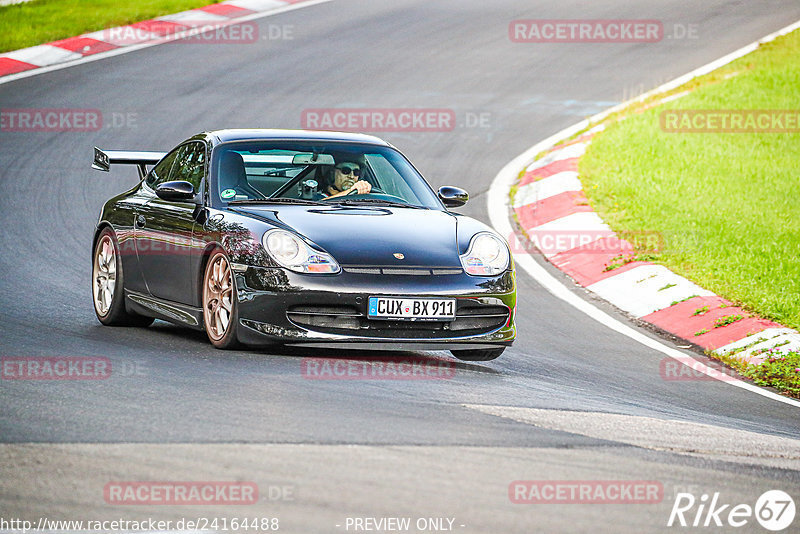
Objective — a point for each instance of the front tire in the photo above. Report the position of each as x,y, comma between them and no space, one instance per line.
220,303
477,355
108,287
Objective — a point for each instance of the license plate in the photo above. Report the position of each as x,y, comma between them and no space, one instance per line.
412,309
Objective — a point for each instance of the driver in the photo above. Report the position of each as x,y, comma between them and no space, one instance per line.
346,180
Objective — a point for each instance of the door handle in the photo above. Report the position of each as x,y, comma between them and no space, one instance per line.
140,221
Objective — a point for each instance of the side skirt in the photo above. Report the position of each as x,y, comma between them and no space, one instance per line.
166,310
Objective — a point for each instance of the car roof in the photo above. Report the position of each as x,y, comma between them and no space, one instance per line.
224,136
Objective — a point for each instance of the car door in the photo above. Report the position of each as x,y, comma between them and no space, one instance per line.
124,220
165,227
159,173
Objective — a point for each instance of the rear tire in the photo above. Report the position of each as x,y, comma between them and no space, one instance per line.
108,288
484,355
220,303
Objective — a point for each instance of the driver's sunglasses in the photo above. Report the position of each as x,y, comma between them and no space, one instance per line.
347,170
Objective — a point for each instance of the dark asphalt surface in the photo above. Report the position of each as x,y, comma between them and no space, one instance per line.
175,388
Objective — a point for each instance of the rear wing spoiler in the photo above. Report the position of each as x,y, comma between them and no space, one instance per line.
104,159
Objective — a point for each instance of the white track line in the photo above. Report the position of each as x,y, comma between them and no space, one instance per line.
162,40
498,207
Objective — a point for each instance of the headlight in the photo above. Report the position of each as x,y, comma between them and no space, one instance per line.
293,253
487,255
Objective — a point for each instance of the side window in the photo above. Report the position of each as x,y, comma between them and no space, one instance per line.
190,164
160,172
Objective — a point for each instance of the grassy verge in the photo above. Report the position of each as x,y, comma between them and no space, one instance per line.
42,21
725,204
781,371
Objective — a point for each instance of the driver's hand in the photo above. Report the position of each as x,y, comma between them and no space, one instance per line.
362,187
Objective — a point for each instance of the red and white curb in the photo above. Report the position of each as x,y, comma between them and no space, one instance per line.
113,41
583,267
555,216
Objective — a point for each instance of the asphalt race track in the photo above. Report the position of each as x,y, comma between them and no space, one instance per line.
323,451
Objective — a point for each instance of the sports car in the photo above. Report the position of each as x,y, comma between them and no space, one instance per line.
300,237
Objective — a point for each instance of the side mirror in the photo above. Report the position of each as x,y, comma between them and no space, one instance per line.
175,191
453,197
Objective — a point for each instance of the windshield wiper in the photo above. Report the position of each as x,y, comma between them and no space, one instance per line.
276,200
357,201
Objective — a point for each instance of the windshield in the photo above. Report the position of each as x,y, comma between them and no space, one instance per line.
308,171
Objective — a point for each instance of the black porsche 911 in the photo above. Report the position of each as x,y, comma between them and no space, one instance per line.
304,238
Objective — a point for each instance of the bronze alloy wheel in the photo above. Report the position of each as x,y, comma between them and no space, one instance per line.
219,302
108,283
104,275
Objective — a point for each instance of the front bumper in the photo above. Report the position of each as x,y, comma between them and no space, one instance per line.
279,306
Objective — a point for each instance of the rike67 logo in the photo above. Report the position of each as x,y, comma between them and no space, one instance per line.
774,510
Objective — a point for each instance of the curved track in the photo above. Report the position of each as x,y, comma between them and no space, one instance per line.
358,448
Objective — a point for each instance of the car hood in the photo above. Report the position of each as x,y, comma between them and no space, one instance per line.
373,235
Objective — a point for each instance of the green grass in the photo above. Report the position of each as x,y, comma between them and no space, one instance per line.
624,259
781,371
726,205
42,21
725,320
